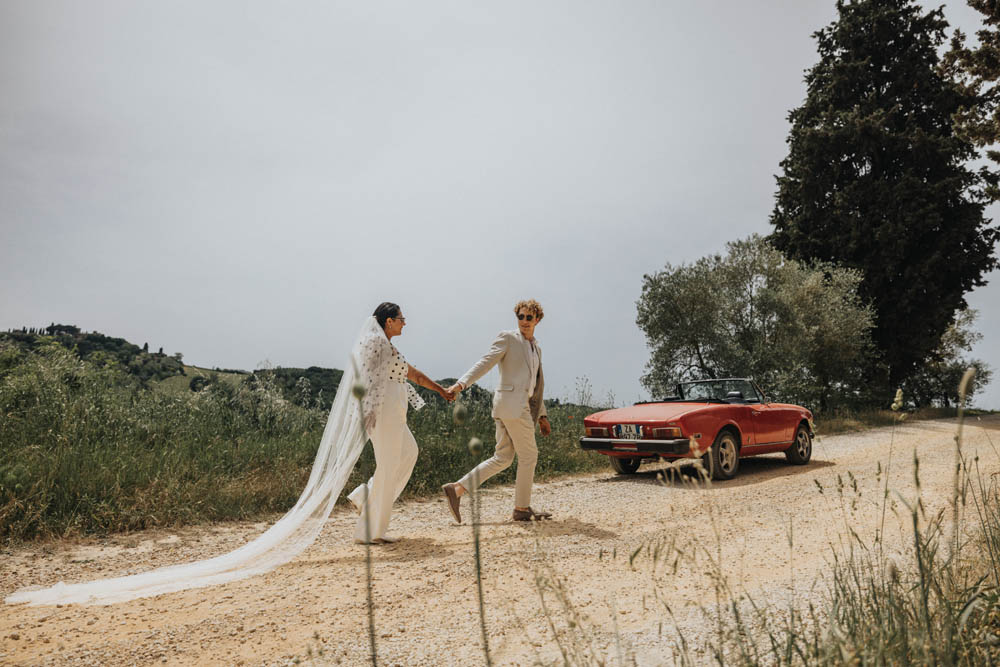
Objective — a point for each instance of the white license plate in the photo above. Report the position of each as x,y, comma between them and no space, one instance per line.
628,431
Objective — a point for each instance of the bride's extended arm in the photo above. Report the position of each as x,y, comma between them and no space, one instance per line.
417,377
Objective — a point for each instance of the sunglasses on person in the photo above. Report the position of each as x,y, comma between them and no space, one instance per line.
522,316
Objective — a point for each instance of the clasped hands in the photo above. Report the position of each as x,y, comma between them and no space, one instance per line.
451,393
448,394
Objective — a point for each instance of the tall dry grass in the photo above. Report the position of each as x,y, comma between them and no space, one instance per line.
938,606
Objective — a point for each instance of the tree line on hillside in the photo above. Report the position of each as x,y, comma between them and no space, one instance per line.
879,227
315,387
312,387
96,347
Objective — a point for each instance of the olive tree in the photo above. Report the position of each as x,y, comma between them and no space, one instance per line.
800,330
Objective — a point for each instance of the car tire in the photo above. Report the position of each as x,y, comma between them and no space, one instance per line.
625,465
801,450
722,460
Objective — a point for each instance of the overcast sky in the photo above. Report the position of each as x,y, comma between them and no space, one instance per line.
244,181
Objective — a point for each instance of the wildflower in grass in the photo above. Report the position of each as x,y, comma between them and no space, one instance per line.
696,448
460,414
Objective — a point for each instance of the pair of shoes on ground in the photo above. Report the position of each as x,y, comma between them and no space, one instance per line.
451,493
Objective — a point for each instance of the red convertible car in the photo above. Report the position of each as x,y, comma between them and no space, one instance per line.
717,420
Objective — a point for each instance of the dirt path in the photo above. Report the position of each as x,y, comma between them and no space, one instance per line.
425,592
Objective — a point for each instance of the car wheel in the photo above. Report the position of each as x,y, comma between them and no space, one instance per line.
722,460
801,450
624,465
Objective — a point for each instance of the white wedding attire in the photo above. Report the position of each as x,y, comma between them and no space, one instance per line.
517,407
394,444
371,365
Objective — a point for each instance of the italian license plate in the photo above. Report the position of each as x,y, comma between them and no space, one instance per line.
628,431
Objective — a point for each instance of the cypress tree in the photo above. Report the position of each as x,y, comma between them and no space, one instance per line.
876,178
978,67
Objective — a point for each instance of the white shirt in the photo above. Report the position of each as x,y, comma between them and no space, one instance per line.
533,361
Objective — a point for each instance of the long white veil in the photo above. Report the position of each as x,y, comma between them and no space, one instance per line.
343,439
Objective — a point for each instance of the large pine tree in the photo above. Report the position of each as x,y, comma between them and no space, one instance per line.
877,180
978,67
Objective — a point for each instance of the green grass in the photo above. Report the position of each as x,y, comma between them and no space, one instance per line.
86,449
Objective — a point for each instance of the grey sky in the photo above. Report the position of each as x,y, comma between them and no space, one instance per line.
243,182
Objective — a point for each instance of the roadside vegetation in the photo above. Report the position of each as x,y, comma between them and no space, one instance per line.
85,447
90,447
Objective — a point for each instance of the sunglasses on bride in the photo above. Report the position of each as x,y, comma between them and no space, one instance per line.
522,316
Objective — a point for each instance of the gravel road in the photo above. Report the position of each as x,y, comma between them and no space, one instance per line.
617,543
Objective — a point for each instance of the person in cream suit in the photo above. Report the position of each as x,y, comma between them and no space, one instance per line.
517,407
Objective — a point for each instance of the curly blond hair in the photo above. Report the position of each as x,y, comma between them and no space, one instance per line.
532,307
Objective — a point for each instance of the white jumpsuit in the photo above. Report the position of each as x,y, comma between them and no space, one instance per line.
395,454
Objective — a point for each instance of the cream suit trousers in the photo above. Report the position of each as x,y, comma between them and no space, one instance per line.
395,455
514,436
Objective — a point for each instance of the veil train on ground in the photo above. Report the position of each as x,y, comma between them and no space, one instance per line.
343,439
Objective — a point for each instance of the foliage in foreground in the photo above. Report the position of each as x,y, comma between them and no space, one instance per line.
85,448
937,603
939,607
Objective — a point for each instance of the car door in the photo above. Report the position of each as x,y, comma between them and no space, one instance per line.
743,415
769,424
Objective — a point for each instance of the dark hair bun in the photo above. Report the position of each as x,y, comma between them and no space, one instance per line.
385,310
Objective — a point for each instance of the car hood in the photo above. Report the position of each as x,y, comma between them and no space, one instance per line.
647,412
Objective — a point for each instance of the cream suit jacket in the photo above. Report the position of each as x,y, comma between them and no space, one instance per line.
512,352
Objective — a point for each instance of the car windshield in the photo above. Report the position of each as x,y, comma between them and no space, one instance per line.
718,390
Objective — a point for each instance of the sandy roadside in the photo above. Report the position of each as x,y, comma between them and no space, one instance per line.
425,592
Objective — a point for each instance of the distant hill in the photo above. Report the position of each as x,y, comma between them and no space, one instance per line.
94,346
310,387
195,378
316,387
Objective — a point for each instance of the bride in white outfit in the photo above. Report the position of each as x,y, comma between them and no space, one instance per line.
384,410
375,372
